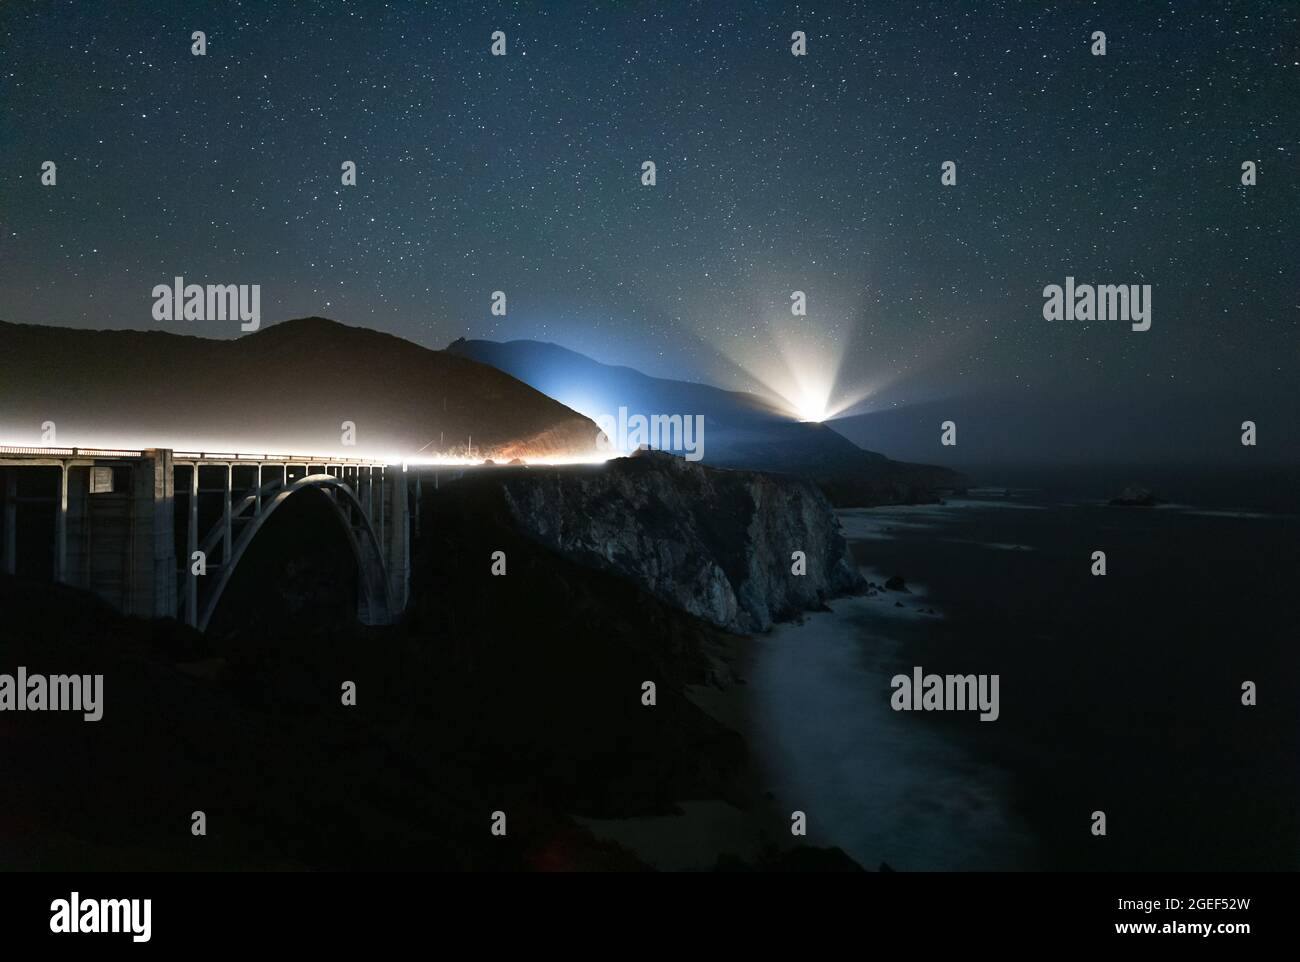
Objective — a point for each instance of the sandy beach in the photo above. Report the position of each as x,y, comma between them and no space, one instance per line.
747,825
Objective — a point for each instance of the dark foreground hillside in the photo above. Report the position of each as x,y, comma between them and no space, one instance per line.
518,694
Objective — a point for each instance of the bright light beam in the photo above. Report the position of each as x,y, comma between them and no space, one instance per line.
796,365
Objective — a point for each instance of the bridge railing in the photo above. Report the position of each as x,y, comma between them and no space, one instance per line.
277,458
72,452
222,456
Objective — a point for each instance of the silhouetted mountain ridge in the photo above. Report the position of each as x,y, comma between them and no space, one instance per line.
288,387
742,430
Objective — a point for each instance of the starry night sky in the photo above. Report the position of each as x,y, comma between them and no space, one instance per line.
775,173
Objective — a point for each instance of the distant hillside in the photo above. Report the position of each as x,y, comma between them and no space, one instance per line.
286,388
741,429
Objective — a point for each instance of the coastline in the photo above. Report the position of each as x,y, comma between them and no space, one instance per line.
756,691
744,829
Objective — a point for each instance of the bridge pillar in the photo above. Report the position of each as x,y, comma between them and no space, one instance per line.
61,527
152,589
395,535
227,534
419,497
191,546
11,521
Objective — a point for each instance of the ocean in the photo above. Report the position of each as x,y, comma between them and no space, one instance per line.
1120,694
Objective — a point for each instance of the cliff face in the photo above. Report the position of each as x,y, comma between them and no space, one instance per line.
717,544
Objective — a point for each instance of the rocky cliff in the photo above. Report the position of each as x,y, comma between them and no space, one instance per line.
718,544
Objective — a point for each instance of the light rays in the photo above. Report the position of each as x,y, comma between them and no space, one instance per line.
795,363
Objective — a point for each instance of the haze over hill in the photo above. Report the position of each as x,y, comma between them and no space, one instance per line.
288,388
741,430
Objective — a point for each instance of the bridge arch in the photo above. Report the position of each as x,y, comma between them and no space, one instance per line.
373,597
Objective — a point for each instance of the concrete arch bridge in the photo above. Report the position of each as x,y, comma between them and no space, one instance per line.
127,524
